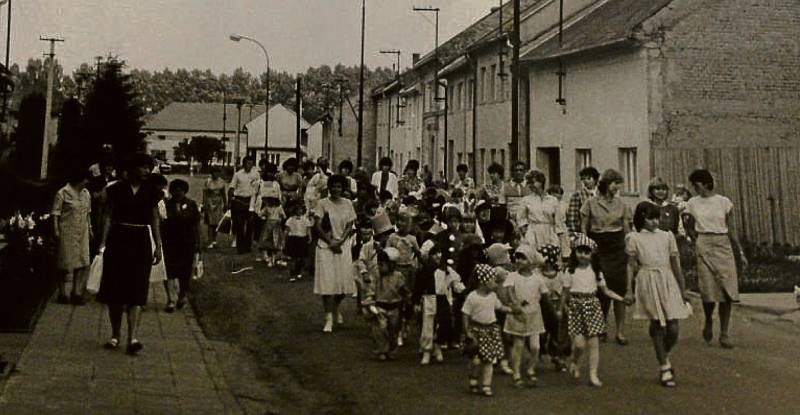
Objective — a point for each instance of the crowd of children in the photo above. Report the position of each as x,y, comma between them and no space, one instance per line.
465,271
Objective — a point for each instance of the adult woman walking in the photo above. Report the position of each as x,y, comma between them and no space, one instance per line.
606,219
333,276
494,190
181,237
290,181
130,213
72,229
215,203
540,215
715,239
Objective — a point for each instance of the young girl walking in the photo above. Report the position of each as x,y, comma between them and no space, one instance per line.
525,289
384,299
272,233
555,342
660,290
298,236
483,332
585,317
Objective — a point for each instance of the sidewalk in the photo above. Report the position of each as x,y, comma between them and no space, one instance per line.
65,369
782,305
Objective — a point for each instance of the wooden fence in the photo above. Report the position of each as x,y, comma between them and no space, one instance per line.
762,182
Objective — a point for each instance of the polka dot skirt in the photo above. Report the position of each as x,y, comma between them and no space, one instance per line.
585,317
490,344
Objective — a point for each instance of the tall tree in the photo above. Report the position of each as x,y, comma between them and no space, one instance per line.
28,135
113,114
71,150
204,148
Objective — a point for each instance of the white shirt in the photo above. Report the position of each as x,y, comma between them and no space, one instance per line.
264,189
583,281
245,184
527,289
710,213
391,184
481,309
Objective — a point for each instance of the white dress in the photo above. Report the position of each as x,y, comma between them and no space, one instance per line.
658,296
333,273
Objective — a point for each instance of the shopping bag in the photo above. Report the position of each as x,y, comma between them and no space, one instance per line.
158,272
225,224
95,274
198,269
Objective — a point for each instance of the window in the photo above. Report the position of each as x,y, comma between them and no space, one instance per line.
483,84
159,154
470,162
628,168
470,92
503,157
450,97
494,155
502,94
483,164
493,83
380,152
162,137
460,96
460,157
583,159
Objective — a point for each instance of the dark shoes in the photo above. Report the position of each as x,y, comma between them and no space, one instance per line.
134,347
170,307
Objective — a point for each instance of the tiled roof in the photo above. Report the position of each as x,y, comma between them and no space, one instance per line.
611,23
200,116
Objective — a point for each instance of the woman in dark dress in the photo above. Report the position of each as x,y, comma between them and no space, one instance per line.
127,244
658,194
180,233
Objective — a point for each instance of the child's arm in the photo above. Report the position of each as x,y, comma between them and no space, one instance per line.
675,262
465,324
611,294
630,271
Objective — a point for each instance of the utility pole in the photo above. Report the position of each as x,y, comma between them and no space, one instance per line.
8,51
239,103
515,42
361,88
51,70
389,104
224,122
299,108
394,52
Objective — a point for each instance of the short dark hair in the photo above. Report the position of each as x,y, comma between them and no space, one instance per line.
137,160
496,168
519,163
346,164
555,189
704,177
291,162
412,165
338,179
248,158
609,176
308,164
385,161
462,167
589,172
536,176
77,175
645,210
178,184
451,212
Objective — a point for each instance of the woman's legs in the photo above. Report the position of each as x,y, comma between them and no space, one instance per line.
328,307
115,318
725,309
658,335
337,301
63,288
708,311
79,281
183,291
212,235
134,312
170,287
671,338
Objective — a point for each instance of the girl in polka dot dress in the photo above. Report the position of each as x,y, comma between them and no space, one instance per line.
485,345
585,318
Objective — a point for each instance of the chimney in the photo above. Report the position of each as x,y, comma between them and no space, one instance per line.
414,58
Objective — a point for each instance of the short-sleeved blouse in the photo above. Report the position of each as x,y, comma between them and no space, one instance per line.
652,249
583,280
341,214
605,215
131,208
481,309
290,182
710,213
543,209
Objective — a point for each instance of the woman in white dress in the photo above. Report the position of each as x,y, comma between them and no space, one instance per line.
540,215
333,276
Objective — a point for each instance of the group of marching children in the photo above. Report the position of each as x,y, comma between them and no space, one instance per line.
460,270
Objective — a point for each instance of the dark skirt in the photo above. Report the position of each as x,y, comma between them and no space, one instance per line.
296,246
179,262
127,261
613,259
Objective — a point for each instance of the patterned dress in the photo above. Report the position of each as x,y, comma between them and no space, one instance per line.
73,208
214,201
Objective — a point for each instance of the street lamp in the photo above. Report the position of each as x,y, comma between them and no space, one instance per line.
360,137
236,38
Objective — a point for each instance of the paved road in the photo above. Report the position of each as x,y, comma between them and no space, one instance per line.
302,368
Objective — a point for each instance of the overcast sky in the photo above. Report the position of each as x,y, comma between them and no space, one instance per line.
155,34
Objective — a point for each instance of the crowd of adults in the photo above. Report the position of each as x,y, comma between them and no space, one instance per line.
128,219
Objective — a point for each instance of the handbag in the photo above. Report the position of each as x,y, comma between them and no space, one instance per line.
95,274
198,269
225,224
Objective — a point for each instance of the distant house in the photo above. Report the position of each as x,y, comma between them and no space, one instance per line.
183,120
282,135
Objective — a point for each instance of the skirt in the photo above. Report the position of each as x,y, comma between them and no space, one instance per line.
296,247
658,296
127,261
584,316
489,341
716,269
179,262
333,273
541,234
524,325
613,259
